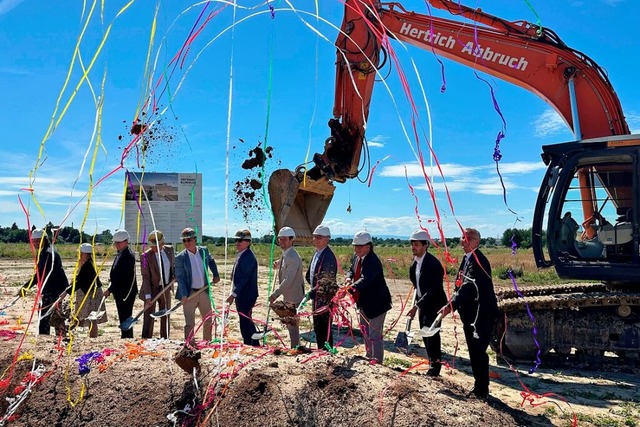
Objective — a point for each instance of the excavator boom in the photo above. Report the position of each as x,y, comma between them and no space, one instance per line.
524,54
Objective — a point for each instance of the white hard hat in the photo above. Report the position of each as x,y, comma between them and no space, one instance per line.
37,233
322,230
419,235
86,248
361,238
120,236
286,232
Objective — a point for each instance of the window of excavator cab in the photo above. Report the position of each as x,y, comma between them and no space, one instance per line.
599,199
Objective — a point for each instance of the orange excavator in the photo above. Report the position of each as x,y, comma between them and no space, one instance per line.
597,175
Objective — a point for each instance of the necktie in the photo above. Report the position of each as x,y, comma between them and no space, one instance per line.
356,275
163,276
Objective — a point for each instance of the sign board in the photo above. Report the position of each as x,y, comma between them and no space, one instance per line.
167,202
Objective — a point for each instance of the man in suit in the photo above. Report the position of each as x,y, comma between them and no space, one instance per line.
366,278
157,265
49,275
192,276
426,275
124,285
321,275
475,301
245,286
290,281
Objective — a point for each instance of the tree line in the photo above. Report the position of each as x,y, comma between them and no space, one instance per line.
522,238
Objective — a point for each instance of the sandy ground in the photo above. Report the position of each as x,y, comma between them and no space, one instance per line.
138,383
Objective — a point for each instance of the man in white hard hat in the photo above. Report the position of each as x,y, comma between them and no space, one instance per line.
245,286
290,281
158,268
476,303
192,276
427,274
371,293
49,275
321,275
124,285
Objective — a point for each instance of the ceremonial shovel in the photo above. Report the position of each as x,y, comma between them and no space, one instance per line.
10,303
55,304
95,315
431,330
165,312
128,324
259,335
404,337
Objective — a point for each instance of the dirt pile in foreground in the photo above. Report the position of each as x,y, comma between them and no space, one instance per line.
138,383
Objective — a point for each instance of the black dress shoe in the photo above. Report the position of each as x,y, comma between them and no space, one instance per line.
433,372
479,393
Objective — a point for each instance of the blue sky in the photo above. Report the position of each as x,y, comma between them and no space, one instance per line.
281,75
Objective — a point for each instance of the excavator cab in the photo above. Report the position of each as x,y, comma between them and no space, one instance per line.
598,178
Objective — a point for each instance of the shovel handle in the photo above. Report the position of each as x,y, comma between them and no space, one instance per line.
179,303
436,321
129,322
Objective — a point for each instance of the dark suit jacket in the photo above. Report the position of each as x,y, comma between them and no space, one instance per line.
123,275
476,299
326,268
87,278
431,289
375,298
57,282
245,279
150,268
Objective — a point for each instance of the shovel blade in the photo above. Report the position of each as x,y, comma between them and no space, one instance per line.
260,335
427,332
95,315
402,340
164,312
128,324
410,338
160,313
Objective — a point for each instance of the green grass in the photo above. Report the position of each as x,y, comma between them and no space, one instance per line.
396,259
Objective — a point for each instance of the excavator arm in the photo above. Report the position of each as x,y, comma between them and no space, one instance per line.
529,56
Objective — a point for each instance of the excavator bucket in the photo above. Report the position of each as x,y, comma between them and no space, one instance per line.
299,203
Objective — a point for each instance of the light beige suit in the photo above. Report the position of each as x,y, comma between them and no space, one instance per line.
291,287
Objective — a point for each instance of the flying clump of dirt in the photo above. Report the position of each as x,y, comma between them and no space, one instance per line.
248,190
158,138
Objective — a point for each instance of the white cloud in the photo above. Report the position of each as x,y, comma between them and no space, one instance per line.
549,123
377,141
414,170
519,168
634,122
454,170
7,5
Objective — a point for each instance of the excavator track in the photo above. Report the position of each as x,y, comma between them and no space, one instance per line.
586,320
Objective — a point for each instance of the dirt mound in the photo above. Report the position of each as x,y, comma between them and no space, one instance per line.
138,383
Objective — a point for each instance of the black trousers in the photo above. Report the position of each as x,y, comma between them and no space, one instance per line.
478,357
125,311
247,327
44,328
321,326
433,344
